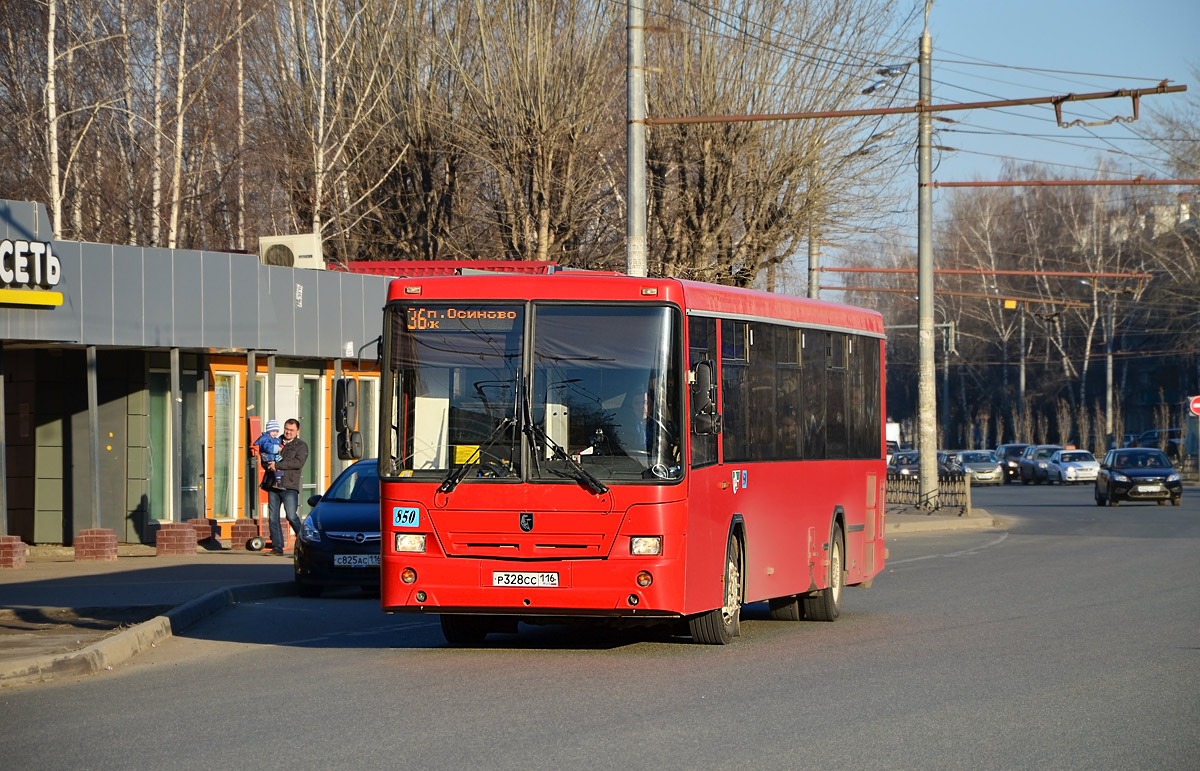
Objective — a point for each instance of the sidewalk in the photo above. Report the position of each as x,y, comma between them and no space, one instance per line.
61,619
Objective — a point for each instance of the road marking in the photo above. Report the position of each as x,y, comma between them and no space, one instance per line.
964,553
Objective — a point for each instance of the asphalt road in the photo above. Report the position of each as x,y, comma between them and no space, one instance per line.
1069,638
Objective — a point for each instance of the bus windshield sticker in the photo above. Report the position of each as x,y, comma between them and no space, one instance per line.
405,517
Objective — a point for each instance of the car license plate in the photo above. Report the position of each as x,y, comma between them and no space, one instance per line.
510,578
356,560
1147,488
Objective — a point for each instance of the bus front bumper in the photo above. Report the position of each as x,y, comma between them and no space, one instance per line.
538,588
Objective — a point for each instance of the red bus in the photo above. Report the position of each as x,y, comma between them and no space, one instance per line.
596,446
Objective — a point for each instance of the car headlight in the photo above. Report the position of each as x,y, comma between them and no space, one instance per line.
1042,464
309,531
1116,477
1173,477
1071,472
410,542
1012,464
999,469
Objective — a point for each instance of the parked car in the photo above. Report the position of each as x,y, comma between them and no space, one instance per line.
948,463
1034,461
982,466
1072,466
339,543
903,463
1010,456
1169,440
1137,474
907,463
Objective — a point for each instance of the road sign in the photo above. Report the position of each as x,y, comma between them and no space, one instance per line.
1194,403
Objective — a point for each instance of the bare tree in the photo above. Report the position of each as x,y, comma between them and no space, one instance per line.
729,200
539,120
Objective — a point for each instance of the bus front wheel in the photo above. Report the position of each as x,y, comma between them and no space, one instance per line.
720,626
464,630
826,604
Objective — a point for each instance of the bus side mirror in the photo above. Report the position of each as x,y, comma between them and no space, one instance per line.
705,417
349,445
345,407
345,412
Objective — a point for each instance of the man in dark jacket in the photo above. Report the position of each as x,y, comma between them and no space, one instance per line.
292,457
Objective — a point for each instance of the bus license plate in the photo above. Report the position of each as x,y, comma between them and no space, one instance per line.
356,560
508,578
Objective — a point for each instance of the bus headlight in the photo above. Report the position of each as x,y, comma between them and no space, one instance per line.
645,545
410,542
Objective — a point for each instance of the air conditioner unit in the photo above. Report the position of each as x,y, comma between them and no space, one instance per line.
298,251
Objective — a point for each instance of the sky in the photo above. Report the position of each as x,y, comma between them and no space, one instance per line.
985,50
1115,43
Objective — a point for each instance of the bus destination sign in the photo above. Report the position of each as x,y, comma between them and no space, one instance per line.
452,317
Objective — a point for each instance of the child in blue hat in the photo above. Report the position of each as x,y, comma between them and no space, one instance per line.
268,445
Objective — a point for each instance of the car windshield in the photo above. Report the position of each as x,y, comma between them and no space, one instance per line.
977,457
1132,460
1045,452
1076,457
359,484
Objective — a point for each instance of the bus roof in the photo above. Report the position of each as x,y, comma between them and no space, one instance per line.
417,268
695,297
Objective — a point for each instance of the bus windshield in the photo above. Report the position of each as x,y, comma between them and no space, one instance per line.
593,395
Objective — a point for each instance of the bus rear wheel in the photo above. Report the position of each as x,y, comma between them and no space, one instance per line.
786,608
720,626
826,604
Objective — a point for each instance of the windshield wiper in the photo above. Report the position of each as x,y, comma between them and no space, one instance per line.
584,475
458,472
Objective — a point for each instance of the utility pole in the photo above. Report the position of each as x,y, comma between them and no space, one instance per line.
926,375
814,257
1108,378
926,390
635,151
1021,381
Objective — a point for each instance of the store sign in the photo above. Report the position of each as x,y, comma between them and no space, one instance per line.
29,271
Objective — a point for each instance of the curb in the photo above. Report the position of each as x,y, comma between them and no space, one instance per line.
121,647
934,523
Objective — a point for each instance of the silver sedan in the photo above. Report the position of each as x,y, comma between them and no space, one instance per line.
1071,466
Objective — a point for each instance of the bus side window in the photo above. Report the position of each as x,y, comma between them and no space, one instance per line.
702,346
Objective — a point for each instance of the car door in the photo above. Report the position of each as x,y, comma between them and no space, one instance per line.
1102,475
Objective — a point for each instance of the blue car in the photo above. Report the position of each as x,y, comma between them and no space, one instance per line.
339,543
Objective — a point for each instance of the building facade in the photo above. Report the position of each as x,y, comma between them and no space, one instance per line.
130,377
